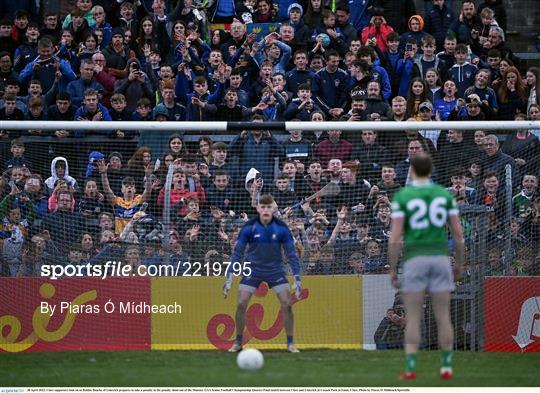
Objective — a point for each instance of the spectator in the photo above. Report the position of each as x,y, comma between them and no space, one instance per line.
62,110
17,156
494,160
371,155
333,148
354,190
467,21
378,30
45,67
391,330
343,23
438,19
135,86
457,149
303,106
298,148
459,189
64,225
85,6
511,95
117,53
256,149
524,147
415,32
301,30
300,74
60,170
102,25
330,88
498,7
462,72
405,66
387,183
91,110
313,15
7,43
28,49
528,193
533,85
10,111
77,87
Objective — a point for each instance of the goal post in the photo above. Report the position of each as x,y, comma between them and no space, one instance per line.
199,182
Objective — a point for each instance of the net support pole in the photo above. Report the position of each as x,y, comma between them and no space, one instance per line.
508,220
167,213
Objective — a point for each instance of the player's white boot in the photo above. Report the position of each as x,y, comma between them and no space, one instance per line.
446,373
235,347
291,348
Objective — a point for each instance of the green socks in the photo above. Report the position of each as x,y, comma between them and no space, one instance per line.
446,359
410,363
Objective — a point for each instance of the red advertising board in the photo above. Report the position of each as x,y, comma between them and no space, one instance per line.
82,317
512,314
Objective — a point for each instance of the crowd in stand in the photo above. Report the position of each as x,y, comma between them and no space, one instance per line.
158,60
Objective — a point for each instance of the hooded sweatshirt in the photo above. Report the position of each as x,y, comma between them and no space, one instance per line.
416,35
54,177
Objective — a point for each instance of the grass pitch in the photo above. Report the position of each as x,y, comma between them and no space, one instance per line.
308,368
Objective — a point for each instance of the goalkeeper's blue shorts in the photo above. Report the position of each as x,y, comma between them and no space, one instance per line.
277,282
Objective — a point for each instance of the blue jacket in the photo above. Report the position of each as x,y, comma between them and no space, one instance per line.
437,22
83,112
281,65
24,54
380,75
404,69
296,77
255,155
360,13
184,91
45,74
264,248
331,90
463,76
77,87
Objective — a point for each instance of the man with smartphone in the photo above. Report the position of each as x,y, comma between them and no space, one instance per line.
136,86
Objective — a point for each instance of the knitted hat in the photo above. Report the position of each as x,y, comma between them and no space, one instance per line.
160,110
118,31
115,154
297,6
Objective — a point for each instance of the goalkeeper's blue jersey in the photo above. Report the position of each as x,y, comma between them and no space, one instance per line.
264,248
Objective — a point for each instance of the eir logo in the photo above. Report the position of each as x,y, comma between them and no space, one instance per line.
529,323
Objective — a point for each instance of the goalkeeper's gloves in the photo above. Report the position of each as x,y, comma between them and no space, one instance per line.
227,285
298,285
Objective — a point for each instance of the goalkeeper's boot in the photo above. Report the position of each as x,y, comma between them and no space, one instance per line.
407,375
236,347
446,373
291,348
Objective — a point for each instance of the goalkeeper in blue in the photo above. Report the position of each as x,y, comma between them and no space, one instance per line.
264,237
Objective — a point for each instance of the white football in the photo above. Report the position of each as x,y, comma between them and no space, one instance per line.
250,359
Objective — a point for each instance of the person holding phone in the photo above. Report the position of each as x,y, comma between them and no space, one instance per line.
136,86
377,32
405,67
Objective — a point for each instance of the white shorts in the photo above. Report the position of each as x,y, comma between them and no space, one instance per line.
431,273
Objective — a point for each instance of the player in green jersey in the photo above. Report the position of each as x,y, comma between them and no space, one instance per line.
420,213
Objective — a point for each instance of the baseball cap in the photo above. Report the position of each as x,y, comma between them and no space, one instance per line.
426,105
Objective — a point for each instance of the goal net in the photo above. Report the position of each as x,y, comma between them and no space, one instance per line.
122,243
